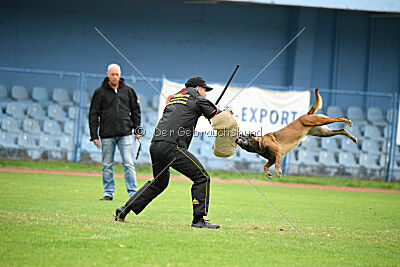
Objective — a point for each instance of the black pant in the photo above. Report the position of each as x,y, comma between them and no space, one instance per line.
163,155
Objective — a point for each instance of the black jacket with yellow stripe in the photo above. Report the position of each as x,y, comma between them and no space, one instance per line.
180,117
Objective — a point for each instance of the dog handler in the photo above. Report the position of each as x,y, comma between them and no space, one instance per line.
169,146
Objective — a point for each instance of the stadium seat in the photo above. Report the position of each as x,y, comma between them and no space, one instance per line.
11,125
72,112
330,144
309,158
69,128
15,110
350,146
66,143
347,160
48,142
27,141
36,111
370,146
369,161
372,132
334,111
310,143
4,98
85,97
19,93
56,112
8,140
355,130
327,158
61,96
375,116
52,127
356,114
389,115
31,126
40,94
155,102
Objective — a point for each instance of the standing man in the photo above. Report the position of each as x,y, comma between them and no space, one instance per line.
116,107
169,146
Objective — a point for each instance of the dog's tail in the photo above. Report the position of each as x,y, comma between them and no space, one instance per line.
317,104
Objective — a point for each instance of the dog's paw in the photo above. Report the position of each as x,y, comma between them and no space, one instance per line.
279,174
355,140
350,123
268,174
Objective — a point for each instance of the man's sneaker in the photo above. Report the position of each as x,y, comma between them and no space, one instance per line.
205,224
120,213
106,198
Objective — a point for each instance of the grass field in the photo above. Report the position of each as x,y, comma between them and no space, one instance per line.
52,220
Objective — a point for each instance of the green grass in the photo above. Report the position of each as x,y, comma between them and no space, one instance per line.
70,166
48,219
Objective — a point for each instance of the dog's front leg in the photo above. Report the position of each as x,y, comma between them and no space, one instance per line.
278,160
266,169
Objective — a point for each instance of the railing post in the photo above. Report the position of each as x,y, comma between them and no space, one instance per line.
78,126
392,139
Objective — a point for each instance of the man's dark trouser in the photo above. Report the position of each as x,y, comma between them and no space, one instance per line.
162,154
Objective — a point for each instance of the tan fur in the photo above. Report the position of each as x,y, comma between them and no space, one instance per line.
287,138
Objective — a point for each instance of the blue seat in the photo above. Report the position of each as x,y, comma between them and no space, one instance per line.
36,111
370,146
72,112
355,130
347,160
356,114
4,97
56,112
334,111
328,159
15,110
372,132
31,126
8,140
11,125
350,146
20,93
48,142
61,96
155,102
40,94
52,127
27,141
329,144
307,157
66,143
375,116
370,161
69,128
310,143
85,97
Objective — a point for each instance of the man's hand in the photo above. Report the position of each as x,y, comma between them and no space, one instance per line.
96,142
137,136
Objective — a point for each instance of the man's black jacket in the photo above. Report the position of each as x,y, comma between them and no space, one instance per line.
180,117
119,113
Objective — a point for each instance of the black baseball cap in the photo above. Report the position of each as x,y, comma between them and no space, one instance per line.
198,81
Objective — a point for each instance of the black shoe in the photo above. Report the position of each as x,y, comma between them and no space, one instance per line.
106,198
120,213
205,224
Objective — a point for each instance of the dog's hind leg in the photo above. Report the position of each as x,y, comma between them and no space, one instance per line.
319,119
324,131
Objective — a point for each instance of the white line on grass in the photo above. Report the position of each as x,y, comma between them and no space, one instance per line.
266,199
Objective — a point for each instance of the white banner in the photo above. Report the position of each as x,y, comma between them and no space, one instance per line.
257,110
